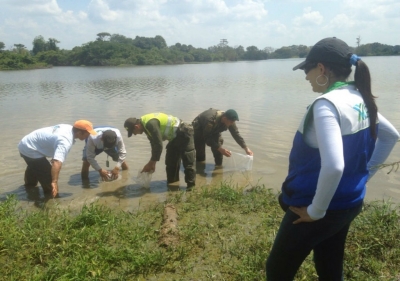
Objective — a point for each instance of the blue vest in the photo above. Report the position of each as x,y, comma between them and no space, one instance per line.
305,162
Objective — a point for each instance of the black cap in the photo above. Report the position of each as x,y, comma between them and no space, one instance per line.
331,50
232,115
129,125
109,138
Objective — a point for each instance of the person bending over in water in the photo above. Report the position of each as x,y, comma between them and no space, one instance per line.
54,142
109,140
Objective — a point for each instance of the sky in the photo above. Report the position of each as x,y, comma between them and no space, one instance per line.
202,23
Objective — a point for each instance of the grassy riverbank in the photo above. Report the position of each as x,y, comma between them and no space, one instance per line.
223,234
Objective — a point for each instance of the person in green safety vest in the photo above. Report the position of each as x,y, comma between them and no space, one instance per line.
159,127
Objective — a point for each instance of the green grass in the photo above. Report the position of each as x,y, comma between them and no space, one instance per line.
224,234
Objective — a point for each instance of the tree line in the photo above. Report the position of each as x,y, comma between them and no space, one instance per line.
115,50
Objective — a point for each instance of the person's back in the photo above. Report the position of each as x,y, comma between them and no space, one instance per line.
45,141
167,124
207,118
97,139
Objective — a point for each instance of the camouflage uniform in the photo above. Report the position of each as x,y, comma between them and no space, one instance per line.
207,130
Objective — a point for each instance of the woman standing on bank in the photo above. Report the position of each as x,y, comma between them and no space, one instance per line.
340,140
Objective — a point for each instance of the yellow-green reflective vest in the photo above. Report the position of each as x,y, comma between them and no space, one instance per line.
168,124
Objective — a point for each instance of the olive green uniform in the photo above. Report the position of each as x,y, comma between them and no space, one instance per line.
207,130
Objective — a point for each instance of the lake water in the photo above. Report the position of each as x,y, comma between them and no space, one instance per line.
269,97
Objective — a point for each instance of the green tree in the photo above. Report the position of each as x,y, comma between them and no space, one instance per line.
268,50
201,55
283,53
240,51
188,58
19,58
102,36
396,50
376,49
39,45
159,42
148,43
52,57
253,53
117,38
52,44
2,46
222,52
302,51
172,55
20,48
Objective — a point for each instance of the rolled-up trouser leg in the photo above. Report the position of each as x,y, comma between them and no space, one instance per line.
218,157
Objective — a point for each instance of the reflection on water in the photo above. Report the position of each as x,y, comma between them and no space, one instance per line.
269,97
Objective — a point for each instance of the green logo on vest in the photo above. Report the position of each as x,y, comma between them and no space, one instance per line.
362,111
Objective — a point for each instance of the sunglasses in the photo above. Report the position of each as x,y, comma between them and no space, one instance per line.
309,66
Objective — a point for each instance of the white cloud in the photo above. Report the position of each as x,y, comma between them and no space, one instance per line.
309,18
39,7
278,27
341,21
377,9
100,10
249,10
201,23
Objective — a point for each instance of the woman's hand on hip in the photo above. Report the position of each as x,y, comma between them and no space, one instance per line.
302,213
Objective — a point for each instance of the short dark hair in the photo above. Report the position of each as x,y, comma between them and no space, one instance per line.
109,138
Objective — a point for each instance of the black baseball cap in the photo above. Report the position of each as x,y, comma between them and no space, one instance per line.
331,49
109,138
232,115
129,125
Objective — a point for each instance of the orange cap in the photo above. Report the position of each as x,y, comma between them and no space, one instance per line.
85,125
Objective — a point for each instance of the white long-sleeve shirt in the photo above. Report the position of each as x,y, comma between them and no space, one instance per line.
96,141
324,133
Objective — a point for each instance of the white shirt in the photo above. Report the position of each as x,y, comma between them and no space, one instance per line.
54,142
96,141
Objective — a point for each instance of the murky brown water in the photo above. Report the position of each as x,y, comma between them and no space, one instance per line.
269,97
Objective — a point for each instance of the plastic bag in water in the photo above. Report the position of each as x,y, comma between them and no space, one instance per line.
143,179
238,162
110,177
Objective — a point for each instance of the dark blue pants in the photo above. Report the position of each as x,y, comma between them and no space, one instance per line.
294,242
